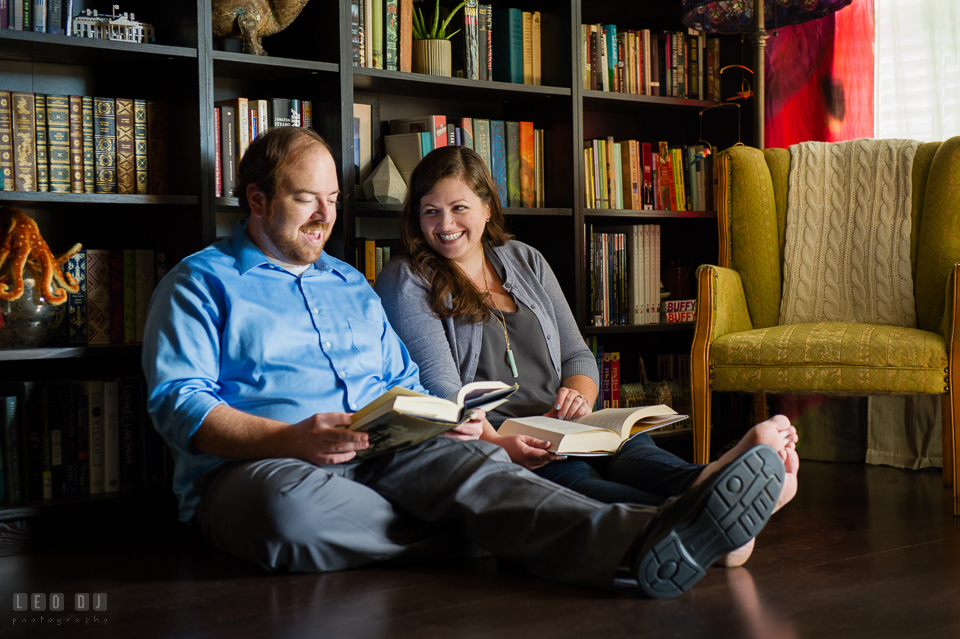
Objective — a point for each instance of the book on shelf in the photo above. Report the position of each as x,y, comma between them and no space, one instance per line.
499,158
105,144
40,136
508,45
597,434
401,418
58,143
296,115
376,12
405,38
391,34
527,165
11,470
74,327
483,42
126,163
356,32
471,40
6,141
98,296
228,150
24,138
526,18
75,131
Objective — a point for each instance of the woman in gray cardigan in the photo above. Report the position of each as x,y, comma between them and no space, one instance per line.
471,303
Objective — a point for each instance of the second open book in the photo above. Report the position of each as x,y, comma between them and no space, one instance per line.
599,433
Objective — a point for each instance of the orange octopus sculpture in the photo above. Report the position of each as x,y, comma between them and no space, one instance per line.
21,245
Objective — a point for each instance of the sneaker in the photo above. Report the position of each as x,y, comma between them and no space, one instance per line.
705,523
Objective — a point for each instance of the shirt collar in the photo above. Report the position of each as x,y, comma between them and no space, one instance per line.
249,255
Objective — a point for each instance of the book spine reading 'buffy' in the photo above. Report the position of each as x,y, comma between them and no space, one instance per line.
105,144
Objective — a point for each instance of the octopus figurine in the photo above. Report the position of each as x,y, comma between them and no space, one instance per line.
20,246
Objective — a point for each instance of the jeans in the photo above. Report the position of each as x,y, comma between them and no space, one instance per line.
639,473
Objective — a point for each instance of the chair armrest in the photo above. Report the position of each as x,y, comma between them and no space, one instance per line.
728,302
950,323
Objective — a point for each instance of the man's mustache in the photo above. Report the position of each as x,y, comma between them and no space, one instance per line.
310,226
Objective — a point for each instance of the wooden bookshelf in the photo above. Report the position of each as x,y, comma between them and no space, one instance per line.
189,69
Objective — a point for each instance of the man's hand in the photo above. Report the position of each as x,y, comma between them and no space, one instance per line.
569,404
529,452
322,439
468,430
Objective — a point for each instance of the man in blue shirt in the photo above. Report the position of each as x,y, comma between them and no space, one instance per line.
259,347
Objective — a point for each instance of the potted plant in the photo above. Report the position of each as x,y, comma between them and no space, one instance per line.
431,45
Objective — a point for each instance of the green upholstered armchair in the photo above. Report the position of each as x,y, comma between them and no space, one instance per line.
740,346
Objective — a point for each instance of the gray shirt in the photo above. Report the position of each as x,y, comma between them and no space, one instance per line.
447,351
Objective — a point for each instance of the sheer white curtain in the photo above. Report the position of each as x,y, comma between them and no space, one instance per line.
918,69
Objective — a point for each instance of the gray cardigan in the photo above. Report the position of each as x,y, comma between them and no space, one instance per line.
447,350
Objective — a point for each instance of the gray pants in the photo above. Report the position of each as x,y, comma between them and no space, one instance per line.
287,514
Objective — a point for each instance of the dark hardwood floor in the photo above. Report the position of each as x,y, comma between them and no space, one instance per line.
861,552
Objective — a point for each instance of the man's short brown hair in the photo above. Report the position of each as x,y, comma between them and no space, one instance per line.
267,157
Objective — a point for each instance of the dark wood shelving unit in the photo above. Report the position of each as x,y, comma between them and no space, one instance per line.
68,352
622,213
638,328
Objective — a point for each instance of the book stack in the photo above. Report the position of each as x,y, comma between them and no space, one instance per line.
501,44
646,176
512,151
238,122
83,144
608,365
672,63
78,437
115,290
623,269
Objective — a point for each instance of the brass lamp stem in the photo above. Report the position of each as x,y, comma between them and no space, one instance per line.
759,36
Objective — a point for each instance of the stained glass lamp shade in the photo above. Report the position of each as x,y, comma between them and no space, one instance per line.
736,16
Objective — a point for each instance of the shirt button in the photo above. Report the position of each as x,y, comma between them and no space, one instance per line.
315,311
533,306
343,373
549,336
327,344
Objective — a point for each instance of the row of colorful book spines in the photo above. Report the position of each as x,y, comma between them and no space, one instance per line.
640,62
675,178
372,256
115,290
239,121
82,144
41,16
385,41
67,438
608,367
624,293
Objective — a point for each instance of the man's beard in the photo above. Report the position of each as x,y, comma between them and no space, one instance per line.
295,250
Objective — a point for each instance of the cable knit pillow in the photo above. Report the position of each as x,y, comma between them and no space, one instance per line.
847,251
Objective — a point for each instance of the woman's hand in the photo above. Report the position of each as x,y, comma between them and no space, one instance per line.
469,430
570,404
529,452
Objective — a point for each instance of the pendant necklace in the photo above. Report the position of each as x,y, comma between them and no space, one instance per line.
501,319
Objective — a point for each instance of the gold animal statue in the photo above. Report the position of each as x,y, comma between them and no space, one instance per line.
252,20
21,246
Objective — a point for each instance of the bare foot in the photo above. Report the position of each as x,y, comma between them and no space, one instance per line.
737,557
778,433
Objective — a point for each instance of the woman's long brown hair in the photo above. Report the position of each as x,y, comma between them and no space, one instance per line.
452,294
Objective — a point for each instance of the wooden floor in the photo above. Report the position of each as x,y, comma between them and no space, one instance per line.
861,552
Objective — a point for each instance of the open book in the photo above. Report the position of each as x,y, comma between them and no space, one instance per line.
401,418
599,433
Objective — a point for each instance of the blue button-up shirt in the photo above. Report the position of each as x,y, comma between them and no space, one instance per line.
227,327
